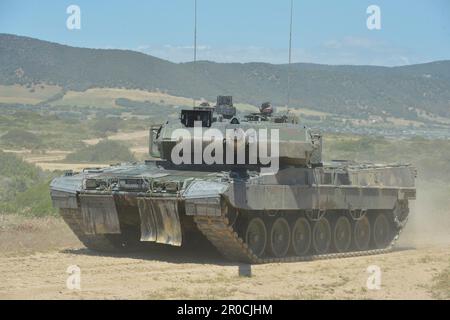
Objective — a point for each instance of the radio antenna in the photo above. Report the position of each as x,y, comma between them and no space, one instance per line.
290,60
195,51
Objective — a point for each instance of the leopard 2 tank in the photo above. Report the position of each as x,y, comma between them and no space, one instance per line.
251,210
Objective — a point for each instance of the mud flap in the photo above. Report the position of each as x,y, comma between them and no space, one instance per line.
99,214
160,221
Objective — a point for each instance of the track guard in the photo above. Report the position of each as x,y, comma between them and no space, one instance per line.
99,214
160,221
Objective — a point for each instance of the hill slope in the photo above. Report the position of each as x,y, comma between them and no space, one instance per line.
339,89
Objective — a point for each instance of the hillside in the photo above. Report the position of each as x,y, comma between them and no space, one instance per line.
345,90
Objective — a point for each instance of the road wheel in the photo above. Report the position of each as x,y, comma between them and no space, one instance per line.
361,234
322,236
342,235
256,236
301,237
279,238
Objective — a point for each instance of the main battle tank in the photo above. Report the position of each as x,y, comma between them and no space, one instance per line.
255,204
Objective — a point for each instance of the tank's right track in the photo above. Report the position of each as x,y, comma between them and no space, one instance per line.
227,241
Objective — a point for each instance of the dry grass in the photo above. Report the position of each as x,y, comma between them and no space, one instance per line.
135,136
303,111
49,160
52,160
105,97
404,122
21,94
441,284
21,235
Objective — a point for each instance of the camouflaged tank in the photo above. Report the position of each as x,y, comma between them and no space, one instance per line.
305,210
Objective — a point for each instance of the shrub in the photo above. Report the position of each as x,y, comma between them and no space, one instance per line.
105,151
21,138
24,188
16,175
35,201
106,125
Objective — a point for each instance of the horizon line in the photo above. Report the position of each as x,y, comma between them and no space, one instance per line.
217,62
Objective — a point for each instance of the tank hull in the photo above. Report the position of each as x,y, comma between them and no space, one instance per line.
299,213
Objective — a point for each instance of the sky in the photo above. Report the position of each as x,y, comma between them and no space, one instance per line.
324,31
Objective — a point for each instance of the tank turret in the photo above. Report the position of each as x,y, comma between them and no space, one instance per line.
289,142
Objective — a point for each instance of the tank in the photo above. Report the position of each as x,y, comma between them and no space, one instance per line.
284,204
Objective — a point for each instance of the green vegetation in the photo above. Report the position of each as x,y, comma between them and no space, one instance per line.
35,201
21,138
24,189
104,152
344,90
16,176
20,128
106,125
158,112
44,128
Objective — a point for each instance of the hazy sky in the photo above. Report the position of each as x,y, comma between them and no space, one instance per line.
330,32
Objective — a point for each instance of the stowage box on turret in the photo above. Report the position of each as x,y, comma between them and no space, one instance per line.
255,204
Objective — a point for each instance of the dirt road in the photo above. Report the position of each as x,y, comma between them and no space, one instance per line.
407,273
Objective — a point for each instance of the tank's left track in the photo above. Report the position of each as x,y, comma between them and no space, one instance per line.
229,243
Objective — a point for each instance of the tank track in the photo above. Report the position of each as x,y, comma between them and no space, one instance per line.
219,233
227,241
101,243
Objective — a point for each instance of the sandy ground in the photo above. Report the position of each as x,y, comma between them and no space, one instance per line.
35,255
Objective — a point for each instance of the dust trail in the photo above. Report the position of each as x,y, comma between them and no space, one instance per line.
429,221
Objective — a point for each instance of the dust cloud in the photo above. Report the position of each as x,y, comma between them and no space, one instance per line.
429,219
